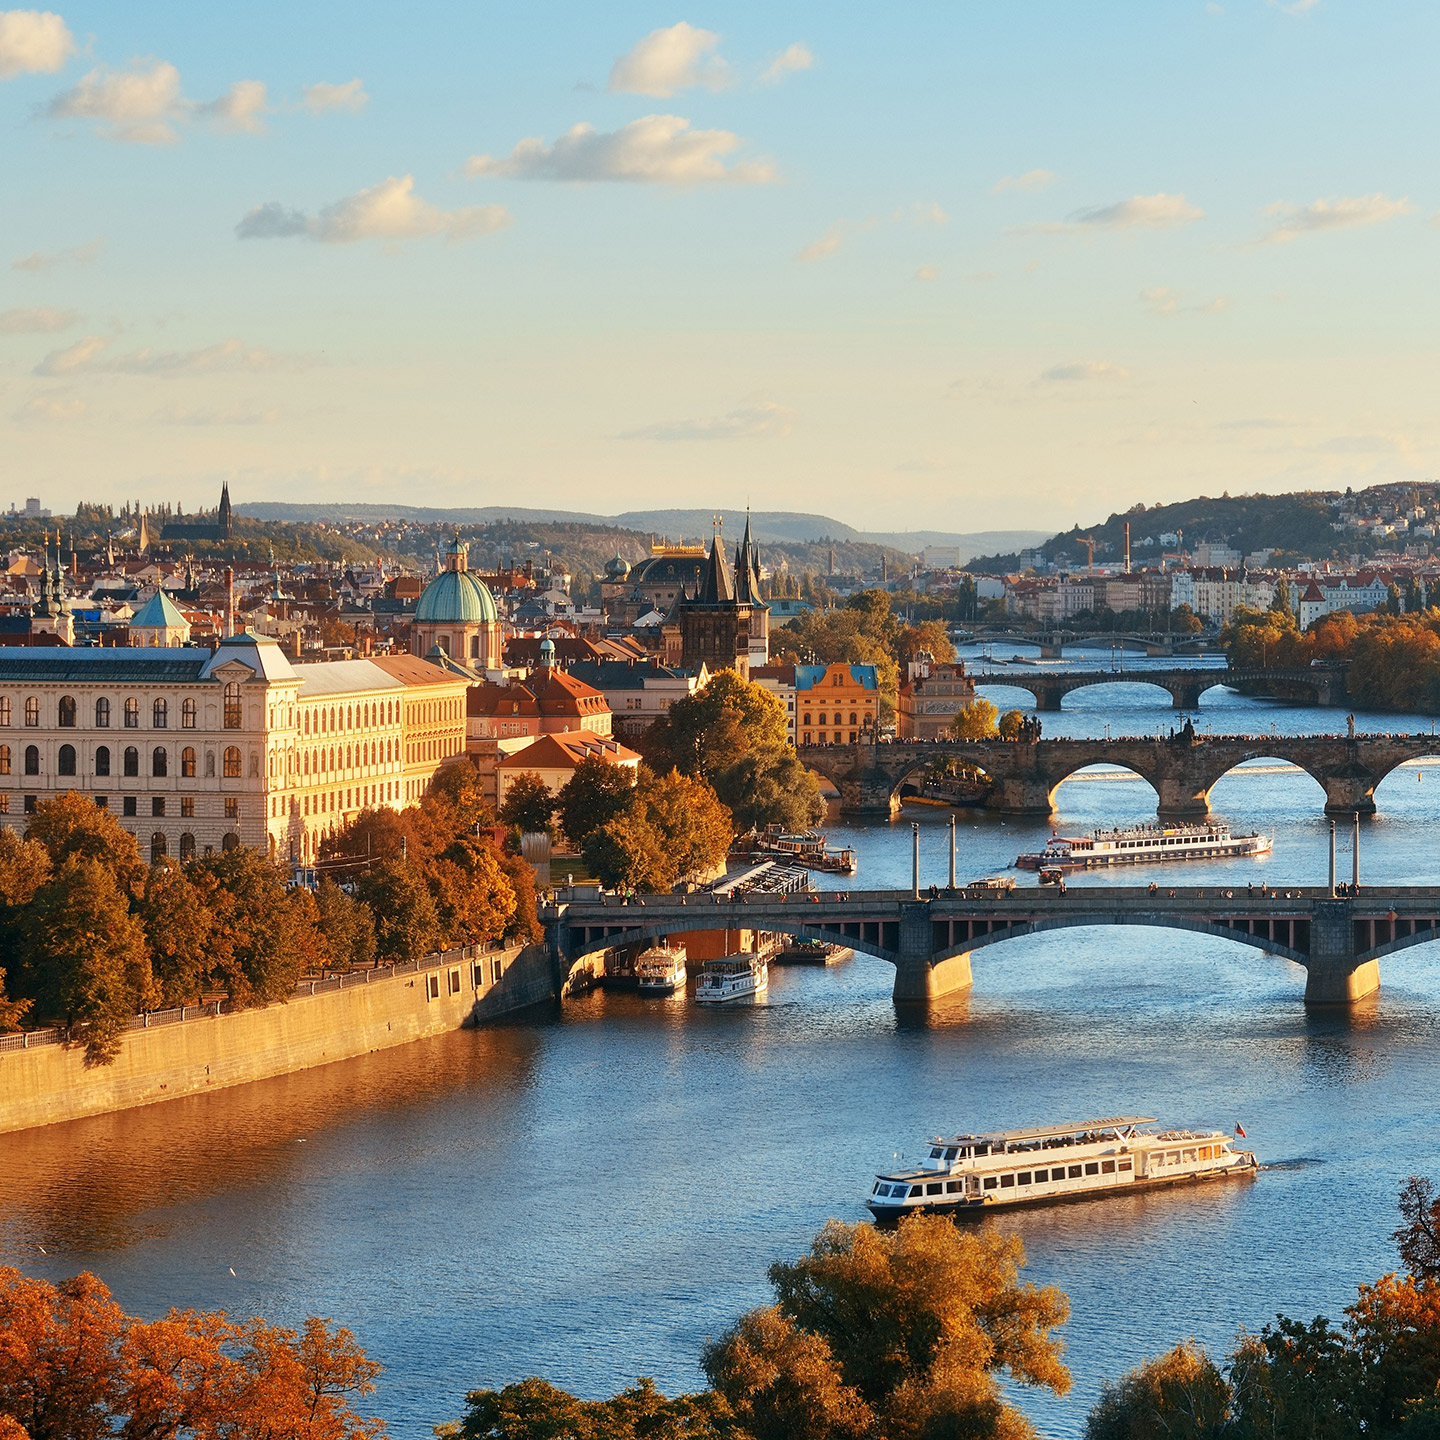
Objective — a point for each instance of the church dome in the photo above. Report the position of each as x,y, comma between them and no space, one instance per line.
616,568
456,597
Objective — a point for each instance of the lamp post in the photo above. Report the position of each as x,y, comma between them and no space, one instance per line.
1332,859
952,850
915,860
1355,858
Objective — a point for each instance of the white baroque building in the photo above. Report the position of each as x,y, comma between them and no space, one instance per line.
199,751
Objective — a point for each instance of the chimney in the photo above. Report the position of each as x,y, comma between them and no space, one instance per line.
1127,547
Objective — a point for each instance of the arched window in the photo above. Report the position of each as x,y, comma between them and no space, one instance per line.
102,760
187,762
65,760
807,718
5,710
160,715
232,762
32,711
232,705
187,847
131,761
852,717
132,714
4,759
187,714
67,712
160,762
157,847
102,714
230,842
32,759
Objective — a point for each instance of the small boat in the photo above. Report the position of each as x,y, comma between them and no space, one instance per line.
1141,844
660,970
810,952
736,977
974,1175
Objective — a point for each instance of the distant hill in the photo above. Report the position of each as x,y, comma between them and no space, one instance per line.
768,526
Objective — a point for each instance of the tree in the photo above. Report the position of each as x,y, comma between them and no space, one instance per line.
593,796
695,829
1012,722
406,926
178,926
918,1324
375,836
528,805
474,900
1418,1238
347,925
536,1410
72,824
524,927
1180,1396
1280,605
87,963
930,637
770,788
629,853
975,721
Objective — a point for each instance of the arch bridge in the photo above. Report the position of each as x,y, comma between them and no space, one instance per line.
1185,687
930,941
1183,768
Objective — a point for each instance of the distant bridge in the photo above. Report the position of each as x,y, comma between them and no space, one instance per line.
1340,941
1024,775
1052,643
1317,686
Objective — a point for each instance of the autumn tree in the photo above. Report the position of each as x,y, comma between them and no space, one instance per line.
673,827
524,927
347,925
533,1409
1011,724
178,924
528,805
1180,1396
1418,1238
72,824
976,721
406,926
593,796
24,868
902,1334
627,853
927,637
474,900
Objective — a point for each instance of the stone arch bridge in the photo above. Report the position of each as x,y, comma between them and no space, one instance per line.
1185,687
1024,775
930,941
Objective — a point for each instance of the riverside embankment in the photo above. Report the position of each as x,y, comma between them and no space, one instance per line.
174,1053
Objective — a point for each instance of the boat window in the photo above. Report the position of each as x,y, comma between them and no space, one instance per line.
1093,1168
1007,1182
1023,1178
1205,1152
1124,1164
1189,1155
1107,1167
916,1191
1075,1172
1173,1158
951,1153
935,1188
990,1182
936,1153
1041,1176
882,1189
953,1187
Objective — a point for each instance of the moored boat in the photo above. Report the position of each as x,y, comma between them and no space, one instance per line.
736,977
976,1175
660,970
1141,844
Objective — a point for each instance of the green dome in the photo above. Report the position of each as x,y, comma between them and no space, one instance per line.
456,597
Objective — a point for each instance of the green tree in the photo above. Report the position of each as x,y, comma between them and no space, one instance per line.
1418,1238
628,853
528,805
87,963
1012,722
593,796
178,926
347,925
1281,605
770,787
976,721
406,926
1180,1396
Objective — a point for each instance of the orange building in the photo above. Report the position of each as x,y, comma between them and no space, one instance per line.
836,704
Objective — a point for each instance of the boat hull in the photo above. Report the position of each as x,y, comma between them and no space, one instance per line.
1144,857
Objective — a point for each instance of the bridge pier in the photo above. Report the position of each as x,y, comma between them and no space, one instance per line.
1181,797
869,793
1052,648
918,978
1047,697
1333,975
1021,795
1351,792
1187,697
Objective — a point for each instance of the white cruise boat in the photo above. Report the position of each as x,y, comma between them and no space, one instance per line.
1142,844
660,970
977,1175
736,977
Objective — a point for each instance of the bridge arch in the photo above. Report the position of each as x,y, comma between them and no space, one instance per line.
1264,750
1386,771
654,931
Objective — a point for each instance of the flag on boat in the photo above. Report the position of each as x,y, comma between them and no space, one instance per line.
1240,1131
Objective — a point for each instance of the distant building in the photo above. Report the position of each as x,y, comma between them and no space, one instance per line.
218,529
779,680
550,701
715,623
929,700
555,758
158,622
456,614
837,703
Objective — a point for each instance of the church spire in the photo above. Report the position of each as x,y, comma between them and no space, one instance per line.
716,588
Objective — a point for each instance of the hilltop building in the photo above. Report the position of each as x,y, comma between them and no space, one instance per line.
219,529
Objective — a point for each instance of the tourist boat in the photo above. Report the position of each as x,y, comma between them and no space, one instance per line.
1141,844
660,970
807,847
736,977
979,1174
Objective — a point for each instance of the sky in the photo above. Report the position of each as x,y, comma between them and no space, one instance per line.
924,266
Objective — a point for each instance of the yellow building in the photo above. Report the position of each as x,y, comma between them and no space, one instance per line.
836,704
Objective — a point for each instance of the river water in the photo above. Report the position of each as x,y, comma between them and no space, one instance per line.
589,1195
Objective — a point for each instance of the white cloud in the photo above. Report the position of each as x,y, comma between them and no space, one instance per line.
231,415
827,244
764,420
91,356
931,214
240,108
323,96
1030,180
388,211
1296,7
1160,300
52,409
1140,212
678,58
1086,370
927,272
1343,213
140,104
40,320
791,59
656,150
38,262
33,42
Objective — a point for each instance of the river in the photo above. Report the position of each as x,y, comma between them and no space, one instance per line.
589,1195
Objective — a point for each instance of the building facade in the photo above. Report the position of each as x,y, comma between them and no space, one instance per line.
837,704
930,699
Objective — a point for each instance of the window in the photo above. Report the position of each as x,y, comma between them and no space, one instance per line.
160,715
1041,1176
187,847
32,760
102,714
101,801
65,760
1093,1168
187,807
132,714
157,847
187,716
131,761
160,762
102,760
4,759
232,705
1107,1167
953,1187
32,711
432,987
67,712
157,806
232,808
1125,1164
232,762
187,762
29,804
1007,1182
5,710
455,982
129,805
991,1182
230,842
1075,1172
1023,1178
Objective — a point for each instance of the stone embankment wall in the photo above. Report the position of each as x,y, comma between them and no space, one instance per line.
48,1083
